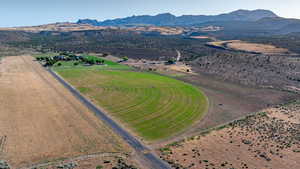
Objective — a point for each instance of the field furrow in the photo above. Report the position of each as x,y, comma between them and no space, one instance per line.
152,105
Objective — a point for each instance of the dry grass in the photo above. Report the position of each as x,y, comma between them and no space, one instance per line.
42,121
164,30
93,161
266,140
67,27
249,47
62,27
254,47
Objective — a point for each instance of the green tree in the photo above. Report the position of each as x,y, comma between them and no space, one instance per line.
125,58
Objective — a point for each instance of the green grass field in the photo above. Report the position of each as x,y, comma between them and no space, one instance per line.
152,105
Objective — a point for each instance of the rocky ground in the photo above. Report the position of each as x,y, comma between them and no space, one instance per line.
270,139
271,71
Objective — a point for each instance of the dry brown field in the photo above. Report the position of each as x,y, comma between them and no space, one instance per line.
254,47
249,47
103,161
268,140
41,121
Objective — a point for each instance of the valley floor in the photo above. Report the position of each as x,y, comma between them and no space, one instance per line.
228,101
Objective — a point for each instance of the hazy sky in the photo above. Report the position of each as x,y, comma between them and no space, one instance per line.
35,12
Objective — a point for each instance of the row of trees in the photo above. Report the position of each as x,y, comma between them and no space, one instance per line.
48,60
91,60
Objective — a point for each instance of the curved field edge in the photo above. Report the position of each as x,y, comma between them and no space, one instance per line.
154,106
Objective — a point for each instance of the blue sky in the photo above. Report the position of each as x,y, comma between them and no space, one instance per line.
36,12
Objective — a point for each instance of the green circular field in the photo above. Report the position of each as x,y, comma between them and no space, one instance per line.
154,106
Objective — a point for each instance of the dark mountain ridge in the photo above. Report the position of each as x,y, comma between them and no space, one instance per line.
167,19
262,27
244,22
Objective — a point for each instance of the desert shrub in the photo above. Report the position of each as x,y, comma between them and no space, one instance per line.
165,149
125,58
170,62
99,167
222,127
263,114
174,144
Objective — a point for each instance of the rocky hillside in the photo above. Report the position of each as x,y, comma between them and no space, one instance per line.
270,71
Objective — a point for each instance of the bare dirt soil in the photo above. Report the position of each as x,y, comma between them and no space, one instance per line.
41,121
160,66
270,139
228,102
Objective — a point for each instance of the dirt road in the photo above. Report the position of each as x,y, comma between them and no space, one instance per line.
178,55
42,121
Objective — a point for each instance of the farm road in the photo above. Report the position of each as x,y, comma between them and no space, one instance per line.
143,152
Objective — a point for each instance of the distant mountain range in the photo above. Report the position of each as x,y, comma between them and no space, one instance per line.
168,19
257,22
240,23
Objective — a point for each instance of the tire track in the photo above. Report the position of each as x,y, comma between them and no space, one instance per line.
3,140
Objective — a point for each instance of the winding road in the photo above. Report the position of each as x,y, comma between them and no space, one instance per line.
147,156
178,55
